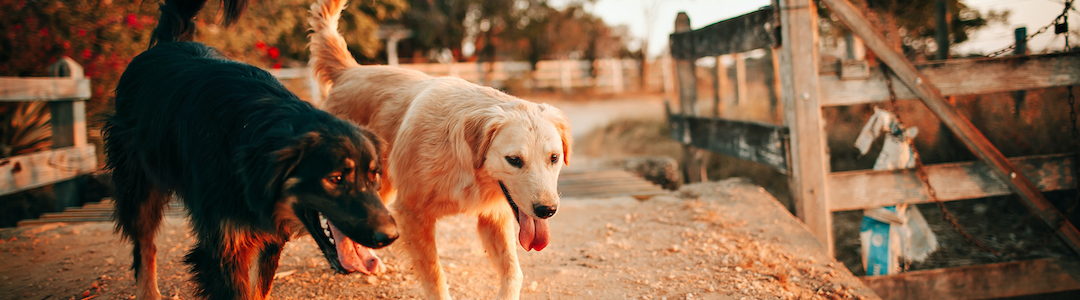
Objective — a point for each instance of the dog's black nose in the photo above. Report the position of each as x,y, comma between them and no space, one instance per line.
544,211
385,238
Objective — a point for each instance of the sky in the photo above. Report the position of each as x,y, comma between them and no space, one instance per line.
638,14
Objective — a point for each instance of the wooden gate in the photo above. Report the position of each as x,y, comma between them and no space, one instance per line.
799,149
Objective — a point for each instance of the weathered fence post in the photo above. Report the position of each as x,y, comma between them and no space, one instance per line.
693,158
941,34
1020,49
68,129
565,75
802,115
617,74
719,78
742,92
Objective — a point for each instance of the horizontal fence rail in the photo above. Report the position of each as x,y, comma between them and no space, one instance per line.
962,77
18,89
756,30
23,172
758,142
864,189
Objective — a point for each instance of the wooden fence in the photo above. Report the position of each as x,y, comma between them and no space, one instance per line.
798,147
604,76
71,155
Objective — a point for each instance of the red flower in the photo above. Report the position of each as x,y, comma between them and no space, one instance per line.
82,32
133,21
260,45
86,53
44,32
277,66
273,52
67,44
18,26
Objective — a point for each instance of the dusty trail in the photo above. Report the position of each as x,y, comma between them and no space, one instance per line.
725,240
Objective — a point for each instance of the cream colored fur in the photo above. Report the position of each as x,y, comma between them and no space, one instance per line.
448,141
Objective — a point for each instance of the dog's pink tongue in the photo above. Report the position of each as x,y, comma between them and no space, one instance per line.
533,234
354,257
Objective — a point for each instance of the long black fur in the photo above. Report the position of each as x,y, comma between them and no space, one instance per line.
231,142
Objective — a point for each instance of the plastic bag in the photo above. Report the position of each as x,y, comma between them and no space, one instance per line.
890,233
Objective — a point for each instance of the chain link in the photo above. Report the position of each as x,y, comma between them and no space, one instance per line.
920,171
1064,16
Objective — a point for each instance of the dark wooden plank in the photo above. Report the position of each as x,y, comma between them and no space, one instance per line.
999,280
957,123
747,32
802,114
962,77
758,142
954,181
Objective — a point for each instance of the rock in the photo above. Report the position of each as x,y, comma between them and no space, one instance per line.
661,170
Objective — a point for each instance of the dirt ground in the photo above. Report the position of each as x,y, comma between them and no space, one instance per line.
721,240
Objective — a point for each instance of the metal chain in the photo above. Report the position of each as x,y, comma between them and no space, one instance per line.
920,172
1063,16
1076,163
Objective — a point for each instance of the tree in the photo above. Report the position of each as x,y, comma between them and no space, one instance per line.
273,33
104,35
528,30
912,22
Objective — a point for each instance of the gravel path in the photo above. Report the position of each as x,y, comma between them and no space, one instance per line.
724,240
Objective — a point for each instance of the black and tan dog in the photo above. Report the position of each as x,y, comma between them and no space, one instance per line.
254,164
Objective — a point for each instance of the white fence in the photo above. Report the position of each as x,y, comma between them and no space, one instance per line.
604,76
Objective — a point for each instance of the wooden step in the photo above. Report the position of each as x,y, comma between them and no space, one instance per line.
93,212
31,222
605,183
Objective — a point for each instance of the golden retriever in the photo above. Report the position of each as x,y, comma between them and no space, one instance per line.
454,148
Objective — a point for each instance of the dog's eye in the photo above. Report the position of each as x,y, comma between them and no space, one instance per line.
335,179
554,158
515,161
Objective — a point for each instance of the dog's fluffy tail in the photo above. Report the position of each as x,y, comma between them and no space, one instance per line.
175,23
329,54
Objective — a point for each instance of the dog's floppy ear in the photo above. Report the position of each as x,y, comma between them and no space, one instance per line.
480,128
265,165
562,125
